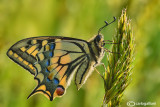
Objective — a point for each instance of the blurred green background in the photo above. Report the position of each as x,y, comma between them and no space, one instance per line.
81,19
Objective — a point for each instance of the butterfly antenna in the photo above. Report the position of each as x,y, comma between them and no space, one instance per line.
106,25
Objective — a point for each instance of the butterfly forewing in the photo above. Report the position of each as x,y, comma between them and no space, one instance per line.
24,52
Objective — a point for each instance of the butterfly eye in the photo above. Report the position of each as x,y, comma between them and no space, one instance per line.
60,90
98,38
99,41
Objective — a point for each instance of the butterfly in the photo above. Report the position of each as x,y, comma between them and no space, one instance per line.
53,60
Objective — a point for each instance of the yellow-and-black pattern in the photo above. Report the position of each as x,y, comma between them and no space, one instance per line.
53,61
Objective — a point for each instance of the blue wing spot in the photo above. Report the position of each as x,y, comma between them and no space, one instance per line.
47,63
51,54
48,80
47,71
56,81
52,46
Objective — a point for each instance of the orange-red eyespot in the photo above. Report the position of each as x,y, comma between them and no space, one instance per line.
60,90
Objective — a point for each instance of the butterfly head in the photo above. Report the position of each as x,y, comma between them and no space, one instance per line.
99,39
98,42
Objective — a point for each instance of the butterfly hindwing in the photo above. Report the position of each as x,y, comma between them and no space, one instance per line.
83,71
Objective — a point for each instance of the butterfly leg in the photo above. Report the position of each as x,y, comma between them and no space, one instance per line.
110,51
102,65
100,73
109,42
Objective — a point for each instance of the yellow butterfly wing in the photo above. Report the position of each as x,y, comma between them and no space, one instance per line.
24,53
53,60
55,73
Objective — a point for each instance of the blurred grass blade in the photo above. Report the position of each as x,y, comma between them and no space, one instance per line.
117,76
